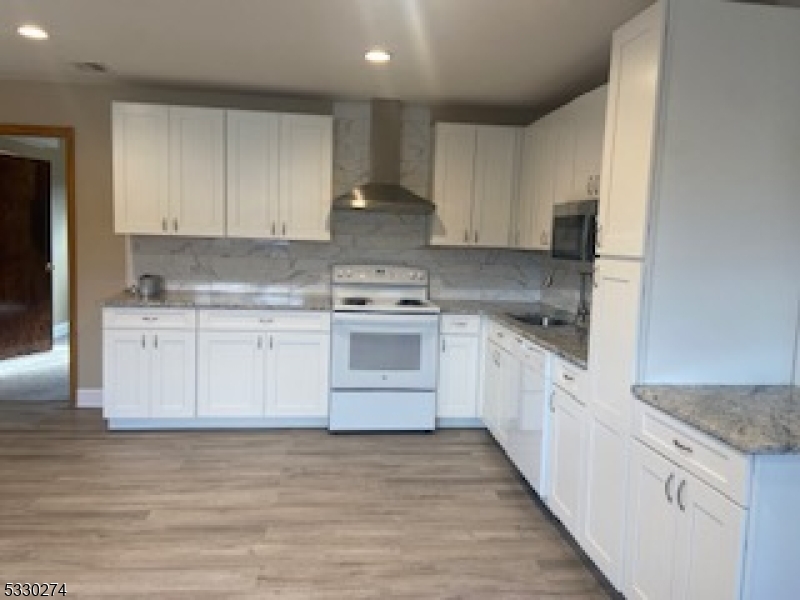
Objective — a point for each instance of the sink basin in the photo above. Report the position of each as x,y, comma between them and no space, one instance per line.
540,320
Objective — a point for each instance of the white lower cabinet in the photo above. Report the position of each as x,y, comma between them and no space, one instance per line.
263,364
148,364
686,539
567,459
495,389
457,396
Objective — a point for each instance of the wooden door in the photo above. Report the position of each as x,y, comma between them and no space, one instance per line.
26,299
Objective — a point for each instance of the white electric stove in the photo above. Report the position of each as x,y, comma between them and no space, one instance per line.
384,341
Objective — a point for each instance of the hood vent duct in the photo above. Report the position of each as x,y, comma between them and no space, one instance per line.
383,193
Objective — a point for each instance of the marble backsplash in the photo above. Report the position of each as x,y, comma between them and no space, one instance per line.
291,267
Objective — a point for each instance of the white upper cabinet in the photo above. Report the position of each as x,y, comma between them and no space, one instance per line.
197,171
630,127
565,135
141,167
253,171
306,164
169,169
279,175
171,176
590,122
474,183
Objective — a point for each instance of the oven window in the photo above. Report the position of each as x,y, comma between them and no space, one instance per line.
385,351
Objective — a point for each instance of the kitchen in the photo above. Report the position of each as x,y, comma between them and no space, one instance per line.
510,273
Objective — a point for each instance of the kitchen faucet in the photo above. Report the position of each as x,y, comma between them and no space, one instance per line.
582,312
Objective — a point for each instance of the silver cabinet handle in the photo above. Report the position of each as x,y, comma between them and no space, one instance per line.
516,242
476,236
164,224
143,343
283,229
552,401
272,229
599,238
267,320
681,487
270,342
500,335
668,487
589,186
466,236
682,447
155,341
568,377
175,224
149,319
260,343
443,345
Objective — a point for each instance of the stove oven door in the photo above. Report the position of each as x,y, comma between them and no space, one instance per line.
384,351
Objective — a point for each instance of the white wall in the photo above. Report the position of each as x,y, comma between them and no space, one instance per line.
723,261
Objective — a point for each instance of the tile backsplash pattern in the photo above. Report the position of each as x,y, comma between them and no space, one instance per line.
468,273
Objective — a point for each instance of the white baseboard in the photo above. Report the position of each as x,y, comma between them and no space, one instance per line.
90,398
60,329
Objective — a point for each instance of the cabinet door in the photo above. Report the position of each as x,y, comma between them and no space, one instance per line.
606,495
526,446
652,525
173,374
710,543
590,119
252,174
492,388
565,136
140,134
544,160
306,146
614,339
126,373
567,452
630,127
297,374
524,233
230,374
454,166
496,156
457,396
197,171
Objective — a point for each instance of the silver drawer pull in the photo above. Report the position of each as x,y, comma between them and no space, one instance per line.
500,334
568,377
519,340
682,447
149,318
266,320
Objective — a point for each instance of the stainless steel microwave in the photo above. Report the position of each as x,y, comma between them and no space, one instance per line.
574,227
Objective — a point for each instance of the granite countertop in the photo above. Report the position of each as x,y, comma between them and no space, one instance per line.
221,299
568,342
751,419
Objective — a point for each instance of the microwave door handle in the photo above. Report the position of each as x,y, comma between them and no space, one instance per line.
585,251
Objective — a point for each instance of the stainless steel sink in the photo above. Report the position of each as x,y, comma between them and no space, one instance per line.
540,320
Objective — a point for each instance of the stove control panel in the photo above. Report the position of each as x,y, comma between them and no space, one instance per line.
380,275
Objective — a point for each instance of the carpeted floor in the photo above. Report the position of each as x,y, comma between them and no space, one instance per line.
37,377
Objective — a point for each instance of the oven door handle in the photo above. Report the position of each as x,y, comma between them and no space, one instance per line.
367,320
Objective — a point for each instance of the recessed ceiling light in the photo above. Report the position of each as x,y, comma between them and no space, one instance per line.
33,32
377,56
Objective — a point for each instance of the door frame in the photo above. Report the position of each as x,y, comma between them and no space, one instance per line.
67,136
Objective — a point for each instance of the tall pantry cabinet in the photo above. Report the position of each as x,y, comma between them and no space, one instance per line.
689,172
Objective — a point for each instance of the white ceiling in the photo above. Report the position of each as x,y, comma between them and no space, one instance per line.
502,52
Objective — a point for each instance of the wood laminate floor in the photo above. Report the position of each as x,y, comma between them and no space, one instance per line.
271,514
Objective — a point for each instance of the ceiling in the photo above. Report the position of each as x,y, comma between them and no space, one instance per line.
484,52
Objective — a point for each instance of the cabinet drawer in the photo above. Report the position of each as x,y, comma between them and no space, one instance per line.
469,324
501,336
150,318
263,320
570,378
719,465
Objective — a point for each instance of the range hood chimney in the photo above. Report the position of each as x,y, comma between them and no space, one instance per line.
383,192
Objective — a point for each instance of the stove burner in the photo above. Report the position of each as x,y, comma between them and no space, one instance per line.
356,301
409,302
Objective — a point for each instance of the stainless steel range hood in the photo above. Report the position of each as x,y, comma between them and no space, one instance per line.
383,193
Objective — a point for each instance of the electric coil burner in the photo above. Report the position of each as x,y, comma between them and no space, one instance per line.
384,344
